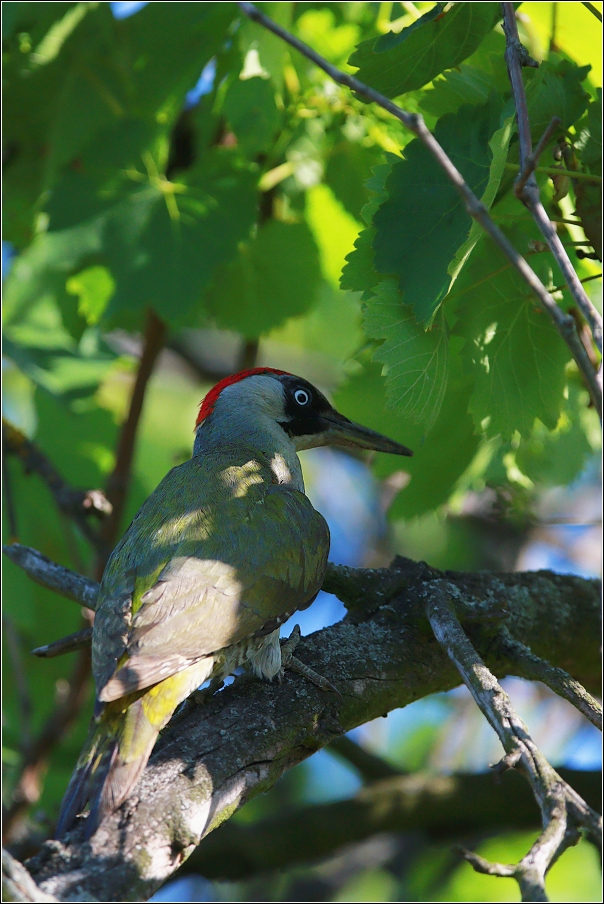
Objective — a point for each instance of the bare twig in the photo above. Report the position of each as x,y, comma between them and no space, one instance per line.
530,163
119,480
558,171
526,187
564,813
54,577
475,208
557,679
593,10
76,504
67,644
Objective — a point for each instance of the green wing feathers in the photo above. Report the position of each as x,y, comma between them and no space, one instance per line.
218,554
119,745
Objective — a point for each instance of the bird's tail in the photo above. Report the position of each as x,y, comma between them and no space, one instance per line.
118,746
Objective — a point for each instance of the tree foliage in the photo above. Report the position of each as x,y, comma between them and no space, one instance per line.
266,201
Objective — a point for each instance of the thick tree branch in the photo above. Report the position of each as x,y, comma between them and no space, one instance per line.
564,813
55,577
381,657
475,208
526,187
17,884
445,807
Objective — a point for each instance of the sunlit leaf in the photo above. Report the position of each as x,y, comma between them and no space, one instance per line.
397,63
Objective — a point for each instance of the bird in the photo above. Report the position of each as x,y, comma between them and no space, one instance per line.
225,550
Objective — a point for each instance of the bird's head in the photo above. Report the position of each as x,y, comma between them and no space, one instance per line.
274,400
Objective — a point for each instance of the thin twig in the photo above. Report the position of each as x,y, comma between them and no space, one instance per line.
526,188
66,644
557,171
119,480
530,163
76,504
564,813
593,10
584,280
475,208
555,678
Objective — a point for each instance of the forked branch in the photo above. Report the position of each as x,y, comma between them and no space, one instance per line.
565,815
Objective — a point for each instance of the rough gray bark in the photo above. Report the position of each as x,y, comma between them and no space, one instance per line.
381,657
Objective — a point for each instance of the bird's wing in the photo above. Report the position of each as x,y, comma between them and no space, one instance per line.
236,567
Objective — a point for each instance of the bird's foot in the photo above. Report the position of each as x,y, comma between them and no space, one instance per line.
289,661
201,697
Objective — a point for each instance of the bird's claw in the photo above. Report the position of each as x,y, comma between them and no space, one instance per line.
289,661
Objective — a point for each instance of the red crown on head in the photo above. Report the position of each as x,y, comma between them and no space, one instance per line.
207,406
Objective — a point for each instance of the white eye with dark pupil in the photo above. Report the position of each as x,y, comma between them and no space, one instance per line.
301,397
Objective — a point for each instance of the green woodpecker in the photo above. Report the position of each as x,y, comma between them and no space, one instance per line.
223,552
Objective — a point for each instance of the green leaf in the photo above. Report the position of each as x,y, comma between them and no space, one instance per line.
499,146
348,169
359,272
415,361
516,355
161,241
589,194
472,82
591,156
93,287
556,458
555,90
397,63
423,223
439,460
264,53
275,276
250,109
104,72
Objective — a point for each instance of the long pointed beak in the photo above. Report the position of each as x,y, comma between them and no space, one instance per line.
342,432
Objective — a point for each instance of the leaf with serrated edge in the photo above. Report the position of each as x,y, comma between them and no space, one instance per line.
415,361
397,63
423,223
515,353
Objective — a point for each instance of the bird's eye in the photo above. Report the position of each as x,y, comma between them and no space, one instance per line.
301,397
